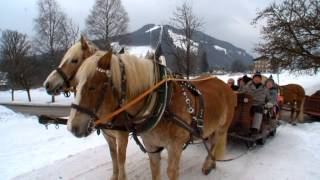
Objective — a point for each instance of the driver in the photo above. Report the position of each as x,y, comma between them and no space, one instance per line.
259,94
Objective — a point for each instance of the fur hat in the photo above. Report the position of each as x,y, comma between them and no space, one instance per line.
257,74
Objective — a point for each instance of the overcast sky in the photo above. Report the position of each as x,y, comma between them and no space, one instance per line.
227,20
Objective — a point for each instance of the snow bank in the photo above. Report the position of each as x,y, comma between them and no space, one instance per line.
38,96
27,145
292,154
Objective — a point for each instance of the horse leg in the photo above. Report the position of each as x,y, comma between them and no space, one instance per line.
122,142
218,142
210,161
300,115
113,151
292,110
155,162
174,155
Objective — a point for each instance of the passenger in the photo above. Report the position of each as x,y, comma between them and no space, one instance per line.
259,96
273,92
246,79
240,83
273,95
231,84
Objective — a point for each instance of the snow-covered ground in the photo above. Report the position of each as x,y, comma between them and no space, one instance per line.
39,96
28,146
31,152
310,82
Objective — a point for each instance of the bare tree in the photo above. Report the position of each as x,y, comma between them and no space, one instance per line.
54,31
185,19
108,18
291,34
70,34
14,48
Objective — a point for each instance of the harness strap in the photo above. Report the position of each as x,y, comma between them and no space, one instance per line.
66,80
109,117
143,149
84,110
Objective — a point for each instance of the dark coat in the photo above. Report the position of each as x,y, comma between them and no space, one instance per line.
260,94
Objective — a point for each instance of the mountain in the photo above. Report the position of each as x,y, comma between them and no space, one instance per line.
219,53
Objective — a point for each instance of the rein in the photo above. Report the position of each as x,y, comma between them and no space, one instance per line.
66,81
129,104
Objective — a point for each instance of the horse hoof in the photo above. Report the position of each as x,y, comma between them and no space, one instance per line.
207,170
113,177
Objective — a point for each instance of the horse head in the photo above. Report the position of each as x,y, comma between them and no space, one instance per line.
100,87
94,91
62,78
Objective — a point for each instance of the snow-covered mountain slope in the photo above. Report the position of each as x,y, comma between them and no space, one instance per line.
219,53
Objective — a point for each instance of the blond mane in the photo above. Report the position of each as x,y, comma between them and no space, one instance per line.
75,51
139,72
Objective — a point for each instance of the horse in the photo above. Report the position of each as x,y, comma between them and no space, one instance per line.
101,77
294,95
63,78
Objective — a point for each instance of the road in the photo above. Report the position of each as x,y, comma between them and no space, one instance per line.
59,111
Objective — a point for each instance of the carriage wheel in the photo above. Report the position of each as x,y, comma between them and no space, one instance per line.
261,141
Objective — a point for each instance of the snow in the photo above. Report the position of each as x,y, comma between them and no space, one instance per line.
178,41
291,154
29,151
39,96
140,51
153,28
220,49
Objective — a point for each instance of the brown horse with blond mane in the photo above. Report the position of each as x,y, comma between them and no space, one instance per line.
62,79
294,96
100,76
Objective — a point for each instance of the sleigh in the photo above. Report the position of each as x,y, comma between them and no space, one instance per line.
242,120
312,105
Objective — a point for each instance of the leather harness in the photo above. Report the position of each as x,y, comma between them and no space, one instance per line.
161,109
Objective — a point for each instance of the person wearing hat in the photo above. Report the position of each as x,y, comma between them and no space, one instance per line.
232,85
259,96
273,95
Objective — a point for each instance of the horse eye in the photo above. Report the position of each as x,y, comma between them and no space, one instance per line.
74,61
92,88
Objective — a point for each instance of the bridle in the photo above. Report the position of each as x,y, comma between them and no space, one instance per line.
121,95
92,113
66,81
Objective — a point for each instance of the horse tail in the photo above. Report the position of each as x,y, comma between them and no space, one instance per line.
301,109
221,146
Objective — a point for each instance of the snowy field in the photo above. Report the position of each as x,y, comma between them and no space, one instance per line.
29,151
38,97
310,82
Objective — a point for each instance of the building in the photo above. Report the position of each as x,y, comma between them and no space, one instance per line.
262,64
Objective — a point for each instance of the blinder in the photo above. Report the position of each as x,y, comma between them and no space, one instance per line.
93,113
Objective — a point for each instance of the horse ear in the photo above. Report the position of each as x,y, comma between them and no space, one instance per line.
84,43
104,62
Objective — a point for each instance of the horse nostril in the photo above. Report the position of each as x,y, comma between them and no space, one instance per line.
47,85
